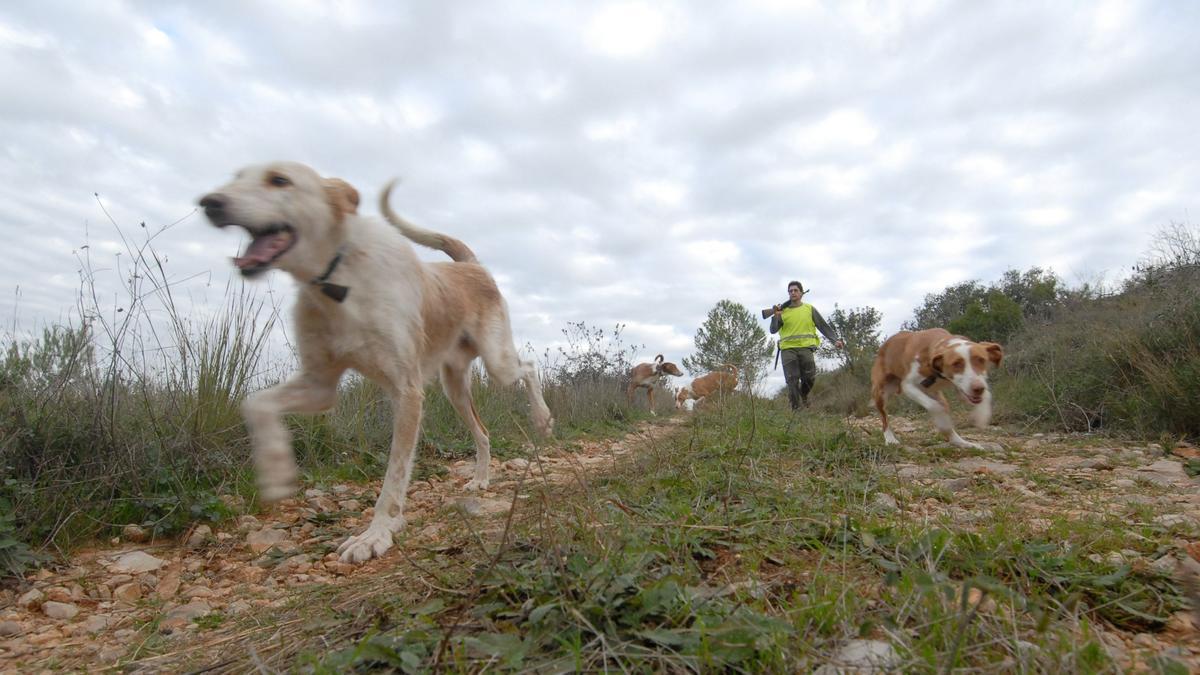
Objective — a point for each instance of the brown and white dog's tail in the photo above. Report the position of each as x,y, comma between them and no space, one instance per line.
731,368
458,251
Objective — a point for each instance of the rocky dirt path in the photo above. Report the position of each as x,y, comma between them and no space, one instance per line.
1140,493
152,606
109,603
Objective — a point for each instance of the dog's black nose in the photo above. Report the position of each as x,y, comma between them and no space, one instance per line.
213,205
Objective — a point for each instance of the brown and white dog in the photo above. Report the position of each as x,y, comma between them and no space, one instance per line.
921,364
365,301
721,382
646,375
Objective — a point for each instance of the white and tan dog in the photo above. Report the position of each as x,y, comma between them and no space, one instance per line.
646,375
921,364
720,382
366,302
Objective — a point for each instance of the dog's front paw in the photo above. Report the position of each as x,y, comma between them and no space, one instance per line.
270,494
372,543
545,426
475,484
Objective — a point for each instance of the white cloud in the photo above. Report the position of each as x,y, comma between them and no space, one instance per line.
615,162
625,29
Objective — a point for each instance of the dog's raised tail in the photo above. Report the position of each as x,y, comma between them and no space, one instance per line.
458,251
731,368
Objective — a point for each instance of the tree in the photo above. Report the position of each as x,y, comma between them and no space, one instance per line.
940,309
859,328
995,319
730,334
1037,291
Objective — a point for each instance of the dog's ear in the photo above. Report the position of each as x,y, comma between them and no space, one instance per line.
994,351
937,362
659,358
342,197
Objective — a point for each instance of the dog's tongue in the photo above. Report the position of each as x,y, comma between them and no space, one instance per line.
262,250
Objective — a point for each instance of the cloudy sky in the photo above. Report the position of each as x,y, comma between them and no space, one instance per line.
613,162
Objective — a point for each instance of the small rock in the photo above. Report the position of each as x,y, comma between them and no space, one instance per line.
323,504
248,522
110,653
976,465
1171,519
238,607
1164,472
128,593
168,586
136,563
198,592
252,574
58,594
135,533
313,493
882,501
350,505
199,535
1124,483
59,610
861,656
516,464
264,539
184,615
953,485
1145,640
97,623
476,506
10,629
31,598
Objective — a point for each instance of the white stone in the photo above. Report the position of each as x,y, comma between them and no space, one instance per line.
137,562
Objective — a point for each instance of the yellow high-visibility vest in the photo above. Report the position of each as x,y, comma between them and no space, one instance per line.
798,329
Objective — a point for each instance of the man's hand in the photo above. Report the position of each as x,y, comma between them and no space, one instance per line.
839,344
778,311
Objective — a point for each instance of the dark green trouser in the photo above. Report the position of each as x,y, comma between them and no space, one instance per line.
800,372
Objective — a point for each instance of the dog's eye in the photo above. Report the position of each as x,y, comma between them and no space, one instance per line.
279,180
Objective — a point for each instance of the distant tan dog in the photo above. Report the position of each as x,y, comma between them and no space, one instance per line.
366,302
646,375
720,382
922,364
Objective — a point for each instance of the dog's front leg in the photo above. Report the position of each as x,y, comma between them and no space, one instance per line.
304,392
937,410
389,508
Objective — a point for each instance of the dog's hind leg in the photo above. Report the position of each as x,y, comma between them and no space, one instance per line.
881,395
407,400
505,365
305,392
456,383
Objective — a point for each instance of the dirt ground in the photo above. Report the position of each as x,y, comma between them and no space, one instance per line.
187,596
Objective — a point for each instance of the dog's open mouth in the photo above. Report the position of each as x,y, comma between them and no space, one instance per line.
266,245
971,398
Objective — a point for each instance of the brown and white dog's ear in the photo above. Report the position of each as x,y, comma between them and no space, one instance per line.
937,362
658,359
994,351
342,197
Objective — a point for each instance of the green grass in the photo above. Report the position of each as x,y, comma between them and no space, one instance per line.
750,543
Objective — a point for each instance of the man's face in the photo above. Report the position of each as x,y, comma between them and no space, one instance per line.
794,293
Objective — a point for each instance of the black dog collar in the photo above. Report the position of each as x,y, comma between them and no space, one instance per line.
336,292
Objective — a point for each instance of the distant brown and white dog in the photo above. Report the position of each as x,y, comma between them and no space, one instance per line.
721,382
921,364
366,302
646,375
